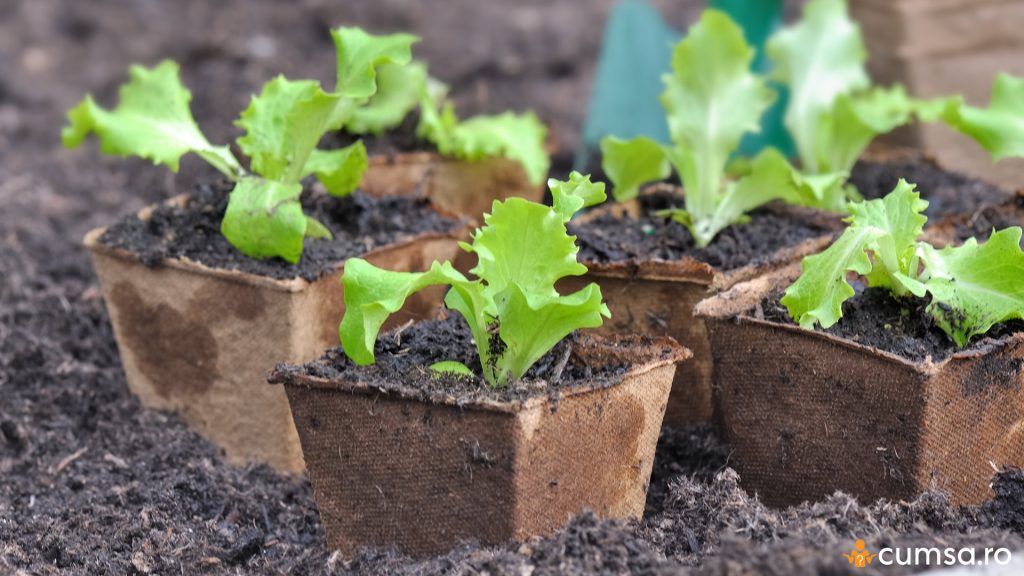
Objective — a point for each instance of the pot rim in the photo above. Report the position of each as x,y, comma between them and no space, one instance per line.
733,306
91,241
675,353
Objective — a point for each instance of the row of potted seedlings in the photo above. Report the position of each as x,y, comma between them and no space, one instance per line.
471,425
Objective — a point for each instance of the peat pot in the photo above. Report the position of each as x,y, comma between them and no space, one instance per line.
656,297
200,341
808,413
396,466
462,187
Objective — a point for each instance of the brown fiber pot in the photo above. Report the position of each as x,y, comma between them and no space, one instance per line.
395,469
465,188
808,413
656,298
200,341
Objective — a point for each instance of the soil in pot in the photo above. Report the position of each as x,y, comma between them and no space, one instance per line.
610,238
399,455
882,405
360,223
948,193
873,317
199,323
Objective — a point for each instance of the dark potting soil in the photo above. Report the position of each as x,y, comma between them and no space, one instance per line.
92,483
948,193
360,223
404,355
873,317
985,220
400,139
608,238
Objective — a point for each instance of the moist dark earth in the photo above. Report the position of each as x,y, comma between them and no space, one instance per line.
91,483
608,238
359,224
902,326
611,238
402,359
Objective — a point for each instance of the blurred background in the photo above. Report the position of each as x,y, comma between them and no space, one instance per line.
496,55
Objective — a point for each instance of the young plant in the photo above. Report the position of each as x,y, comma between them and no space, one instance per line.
834,112
401,88
513,309
972,287
282,125
712,100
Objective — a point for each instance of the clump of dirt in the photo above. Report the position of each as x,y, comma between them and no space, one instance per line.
608,238
873,317
359,222
948,193
403,357
984,221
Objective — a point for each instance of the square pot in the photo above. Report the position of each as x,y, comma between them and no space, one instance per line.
656,297
393,468
462,187
808,413
199,341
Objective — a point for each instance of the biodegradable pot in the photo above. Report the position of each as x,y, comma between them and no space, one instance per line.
808,413
943,47
656,297
200,341
393,468
463,187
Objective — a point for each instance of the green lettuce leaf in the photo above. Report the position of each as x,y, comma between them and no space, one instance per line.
283,125
569,197
975,286
820,58
341,170
373,294
712,99
855,120
886,227
513,309
398,93
152,120
518,137
999,129
531,326
361,54
264,219
630,164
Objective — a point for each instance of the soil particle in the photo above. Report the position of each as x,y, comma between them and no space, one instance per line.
982,222
873,317
611,239
360,223
948,193
404,355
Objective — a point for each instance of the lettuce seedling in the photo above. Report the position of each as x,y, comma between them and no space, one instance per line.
512,307
972,287
834,112
283,125
712,100
401,88
518,137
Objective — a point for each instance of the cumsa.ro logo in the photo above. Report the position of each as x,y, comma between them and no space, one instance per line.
859,556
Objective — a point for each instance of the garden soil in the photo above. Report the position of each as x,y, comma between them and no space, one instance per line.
90,483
